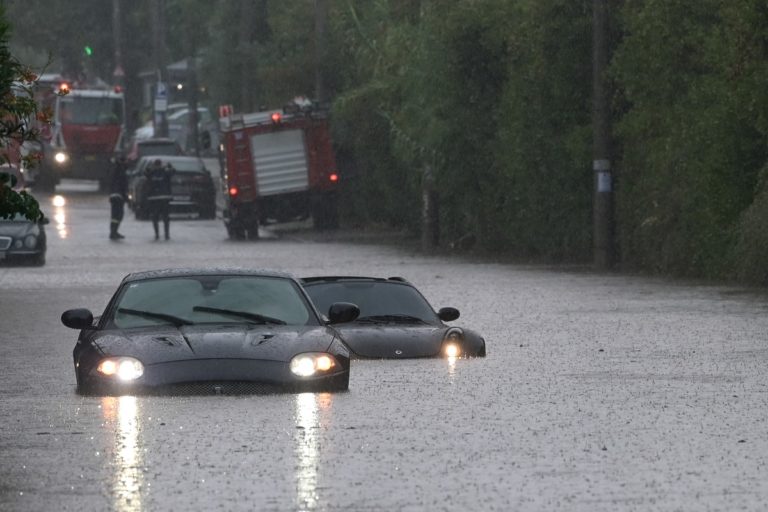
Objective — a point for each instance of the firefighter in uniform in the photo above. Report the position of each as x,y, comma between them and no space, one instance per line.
118,193
159,195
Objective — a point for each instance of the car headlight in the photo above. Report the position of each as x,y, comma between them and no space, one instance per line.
60,157
122,368
18,244
30,241
452,343
313,363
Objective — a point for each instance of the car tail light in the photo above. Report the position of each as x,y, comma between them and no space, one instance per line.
334,177
233,191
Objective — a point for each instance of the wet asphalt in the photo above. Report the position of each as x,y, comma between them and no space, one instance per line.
599,392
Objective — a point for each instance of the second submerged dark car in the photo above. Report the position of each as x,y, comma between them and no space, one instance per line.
209,331
395,320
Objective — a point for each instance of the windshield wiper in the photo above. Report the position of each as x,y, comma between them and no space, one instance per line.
176,321
254,317
377,319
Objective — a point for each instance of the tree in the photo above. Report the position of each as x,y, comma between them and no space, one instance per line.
19,121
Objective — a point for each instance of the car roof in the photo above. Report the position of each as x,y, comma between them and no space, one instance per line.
155,140
207,271
335,279
169,159
175,158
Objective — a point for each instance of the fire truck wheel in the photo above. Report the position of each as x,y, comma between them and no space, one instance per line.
236,232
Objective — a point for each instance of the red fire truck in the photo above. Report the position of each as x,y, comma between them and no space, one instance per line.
88,129
277,165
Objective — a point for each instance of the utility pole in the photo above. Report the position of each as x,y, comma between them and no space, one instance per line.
192,83
430,228
603,243
118,74
160,120
321,16
244,39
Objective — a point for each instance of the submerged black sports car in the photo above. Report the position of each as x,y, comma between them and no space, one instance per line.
192,331
395,320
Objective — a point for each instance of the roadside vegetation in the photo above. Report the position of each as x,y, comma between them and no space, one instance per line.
19,119
492,99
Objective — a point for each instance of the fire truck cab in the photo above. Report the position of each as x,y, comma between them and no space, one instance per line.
277,166
88,130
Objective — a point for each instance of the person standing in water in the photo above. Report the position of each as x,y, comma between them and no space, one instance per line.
159,196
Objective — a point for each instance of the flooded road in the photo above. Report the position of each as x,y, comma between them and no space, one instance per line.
599,392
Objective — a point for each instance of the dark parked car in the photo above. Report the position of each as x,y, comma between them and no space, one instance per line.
23,241
395,321
191,185
209,331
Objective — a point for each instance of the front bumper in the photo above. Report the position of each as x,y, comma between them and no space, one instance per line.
214,377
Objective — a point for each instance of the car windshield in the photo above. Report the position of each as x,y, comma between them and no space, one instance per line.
84,110
209,299
376,299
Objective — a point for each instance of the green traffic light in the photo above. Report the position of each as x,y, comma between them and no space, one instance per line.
88,50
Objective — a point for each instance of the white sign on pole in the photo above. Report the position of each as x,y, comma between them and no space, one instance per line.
161,97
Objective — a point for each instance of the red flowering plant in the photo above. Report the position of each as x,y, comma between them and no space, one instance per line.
20,122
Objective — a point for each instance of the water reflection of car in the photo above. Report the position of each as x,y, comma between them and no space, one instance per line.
395,321
192,187
209,331
23,241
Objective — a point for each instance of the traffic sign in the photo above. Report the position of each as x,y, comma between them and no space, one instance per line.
161,91
161,97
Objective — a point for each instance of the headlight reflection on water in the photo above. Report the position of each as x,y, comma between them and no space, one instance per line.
312,411
60,216
122,412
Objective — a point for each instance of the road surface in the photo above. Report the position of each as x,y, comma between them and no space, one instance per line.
599,392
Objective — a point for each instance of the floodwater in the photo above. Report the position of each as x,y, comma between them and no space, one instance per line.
599,392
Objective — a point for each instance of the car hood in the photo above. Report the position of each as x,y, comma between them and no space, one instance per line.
17,229
386,340
160,345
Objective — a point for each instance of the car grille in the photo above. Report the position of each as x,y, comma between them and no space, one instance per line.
5,242
217,388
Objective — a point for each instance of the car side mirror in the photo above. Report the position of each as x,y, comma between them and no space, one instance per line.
448,314
79,318
342,312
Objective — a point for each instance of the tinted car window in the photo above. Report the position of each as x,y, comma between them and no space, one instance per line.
271,297
373,298
187,165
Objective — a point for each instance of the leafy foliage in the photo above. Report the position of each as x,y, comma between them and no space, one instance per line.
19,118
493,99
694,135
